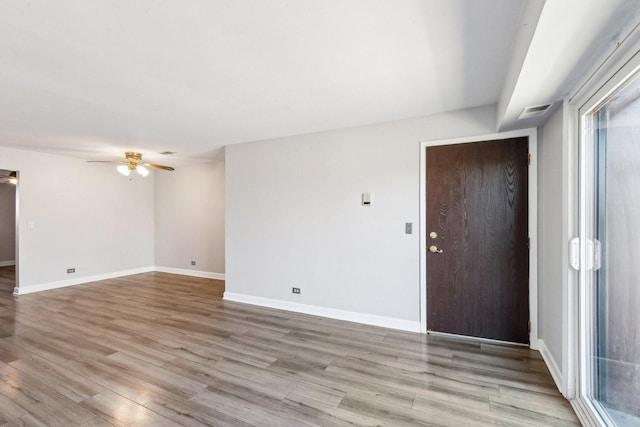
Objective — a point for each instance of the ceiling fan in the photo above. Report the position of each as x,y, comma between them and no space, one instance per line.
11,178
133,161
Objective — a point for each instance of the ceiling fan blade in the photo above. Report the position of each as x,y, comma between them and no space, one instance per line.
9,179
107,161
133,160
153,165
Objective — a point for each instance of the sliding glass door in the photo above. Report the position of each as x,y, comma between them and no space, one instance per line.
610,275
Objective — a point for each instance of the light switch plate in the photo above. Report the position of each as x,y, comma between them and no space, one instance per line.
408,228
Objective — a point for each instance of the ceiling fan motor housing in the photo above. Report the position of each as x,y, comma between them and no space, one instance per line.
133,158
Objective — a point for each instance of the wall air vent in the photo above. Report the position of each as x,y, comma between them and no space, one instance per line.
534,111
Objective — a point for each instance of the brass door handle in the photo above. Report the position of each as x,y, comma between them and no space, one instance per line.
434,250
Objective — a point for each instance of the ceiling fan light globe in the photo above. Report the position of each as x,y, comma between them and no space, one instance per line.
124,170
142,170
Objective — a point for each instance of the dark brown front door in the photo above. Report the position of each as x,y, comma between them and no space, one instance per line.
477,206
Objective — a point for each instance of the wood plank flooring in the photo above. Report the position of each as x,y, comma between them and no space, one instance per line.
7,279
159,349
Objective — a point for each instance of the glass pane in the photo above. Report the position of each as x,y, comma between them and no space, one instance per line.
616,291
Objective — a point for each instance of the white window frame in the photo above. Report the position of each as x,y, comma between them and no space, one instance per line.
584,103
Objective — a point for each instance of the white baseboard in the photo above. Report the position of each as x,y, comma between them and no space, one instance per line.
350,316
194,273
7,263
86,279
556,373
22,290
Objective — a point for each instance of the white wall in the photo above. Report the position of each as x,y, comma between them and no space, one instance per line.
551,240
81,215
189,205
294,216
7,223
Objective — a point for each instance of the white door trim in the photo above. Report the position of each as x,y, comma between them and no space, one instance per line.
533,221
17,235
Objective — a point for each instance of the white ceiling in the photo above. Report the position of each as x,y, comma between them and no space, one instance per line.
92,79
570,40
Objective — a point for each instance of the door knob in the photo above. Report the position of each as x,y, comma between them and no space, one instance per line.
434,249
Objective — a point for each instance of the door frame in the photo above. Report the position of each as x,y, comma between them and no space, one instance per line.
16,231
532,192
16,289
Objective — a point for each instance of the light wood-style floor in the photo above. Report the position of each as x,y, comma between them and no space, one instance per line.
158,349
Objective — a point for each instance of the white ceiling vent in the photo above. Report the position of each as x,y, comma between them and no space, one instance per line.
534,111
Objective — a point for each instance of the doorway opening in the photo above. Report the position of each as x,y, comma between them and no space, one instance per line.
8,231
437,236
